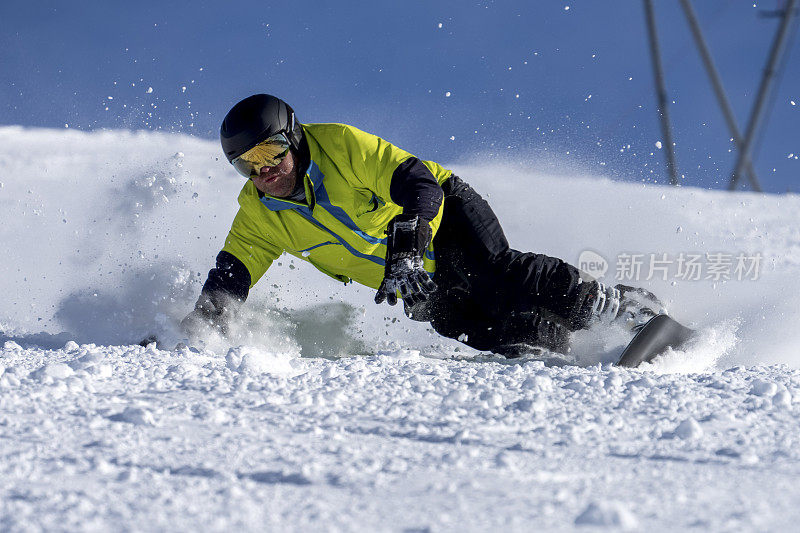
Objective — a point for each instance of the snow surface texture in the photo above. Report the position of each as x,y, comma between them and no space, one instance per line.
326,412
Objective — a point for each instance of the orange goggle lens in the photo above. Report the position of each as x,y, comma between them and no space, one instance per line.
268,153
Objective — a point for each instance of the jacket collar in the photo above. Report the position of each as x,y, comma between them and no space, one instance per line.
312,180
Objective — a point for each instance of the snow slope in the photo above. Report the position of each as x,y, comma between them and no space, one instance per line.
324,411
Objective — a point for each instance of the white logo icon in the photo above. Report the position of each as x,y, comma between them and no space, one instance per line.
592,263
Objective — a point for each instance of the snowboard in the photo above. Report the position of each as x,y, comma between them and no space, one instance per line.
653,339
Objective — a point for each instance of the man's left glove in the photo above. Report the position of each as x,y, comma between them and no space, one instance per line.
408,236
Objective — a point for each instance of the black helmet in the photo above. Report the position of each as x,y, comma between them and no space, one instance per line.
254,119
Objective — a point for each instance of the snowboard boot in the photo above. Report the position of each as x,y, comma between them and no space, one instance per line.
632,307
596,303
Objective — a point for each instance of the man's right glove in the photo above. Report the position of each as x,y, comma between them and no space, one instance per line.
212,311
408,236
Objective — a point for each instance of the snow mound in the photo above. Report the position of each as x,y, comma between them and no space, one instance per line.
607,514
266,434
249,360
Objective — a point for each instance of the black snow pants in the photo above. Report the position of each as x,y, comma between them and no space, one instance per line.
490,296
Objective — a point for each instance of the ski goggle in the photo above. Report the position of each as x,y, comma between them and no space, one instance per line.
268,153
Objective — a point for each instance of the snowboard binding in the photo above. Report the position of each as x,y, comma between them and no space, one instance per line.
645,315
637,307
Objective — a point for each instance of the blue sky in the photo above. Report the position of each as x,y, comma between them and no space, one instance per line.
531,83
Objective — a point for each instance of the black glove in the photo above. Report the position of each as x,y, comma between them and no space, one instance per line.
212,311
408,236
224,291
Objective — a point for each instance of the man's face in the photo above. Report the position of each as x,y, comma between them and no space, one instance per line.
279,180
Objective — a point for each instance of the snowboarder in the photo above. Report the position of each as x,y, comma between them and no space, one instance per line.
360,209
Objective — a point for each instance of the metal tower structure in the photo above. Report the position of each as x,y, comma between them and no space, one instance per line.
744,145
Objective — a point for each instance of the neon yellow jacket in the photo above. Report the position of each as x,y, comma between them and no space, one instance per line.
341,231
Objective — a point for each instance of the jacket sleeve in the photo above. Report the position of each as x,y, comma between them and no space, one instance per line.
250,247
415,188
228,282
392,173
